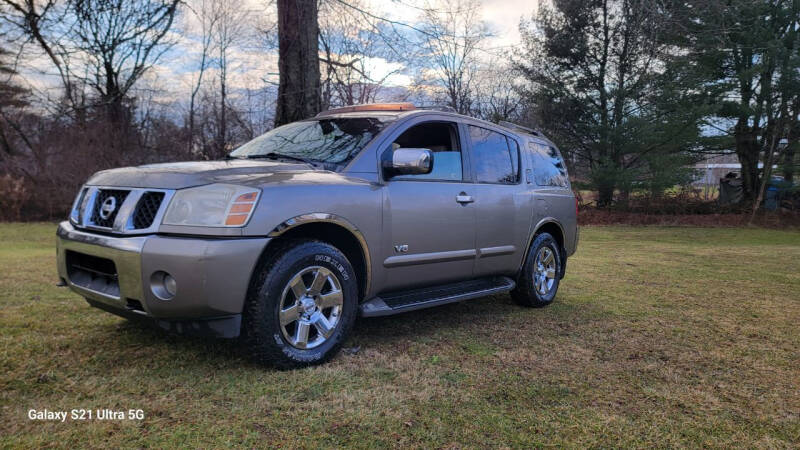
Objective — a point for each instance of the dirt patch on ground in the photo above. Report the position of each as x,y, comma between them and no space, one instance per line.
777,220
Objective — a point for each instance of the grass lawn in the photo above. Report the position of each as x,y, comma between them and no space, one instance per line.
658,336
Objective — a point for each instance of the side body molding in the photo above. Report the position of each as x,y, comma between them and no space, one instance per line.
303,219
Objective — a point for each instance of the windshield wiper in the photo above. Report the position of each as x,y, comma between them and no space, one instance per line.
273,155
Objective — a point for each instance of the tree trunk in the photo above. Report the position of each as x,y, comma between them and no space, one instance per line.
222,138
767,176
792,143
788,162
747,151
298,61
605,196
193,97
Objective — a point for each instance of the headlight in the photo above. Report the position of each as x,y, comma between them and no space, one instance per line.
215,205
75,212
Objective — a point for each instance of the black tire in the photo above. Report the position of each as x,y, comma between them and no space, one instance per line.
262,330
526,292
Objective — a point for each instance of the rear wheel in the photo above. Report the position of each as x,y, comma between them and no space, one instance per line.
538,281
302,305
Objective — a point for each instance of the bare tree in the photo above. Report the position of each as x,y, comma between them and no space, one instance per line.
229,29
41,22
121,39
13,100
496,94
105,44
207,20
453,35
352,39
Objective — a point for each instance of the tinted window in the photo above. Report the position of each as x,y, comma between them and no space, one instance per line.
441,138
494,161
548,166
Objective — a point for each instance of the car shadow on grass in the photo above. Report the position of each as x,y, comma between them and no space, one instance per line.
483,313
143,343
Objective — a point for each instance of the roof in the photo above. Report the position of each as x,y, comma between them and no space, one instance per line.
409,109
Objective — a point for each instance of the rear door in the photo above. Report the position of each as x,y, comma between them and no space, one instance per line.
503,202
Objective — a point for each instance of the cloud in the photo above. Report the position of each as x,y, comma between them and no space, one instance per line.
254,65
504,16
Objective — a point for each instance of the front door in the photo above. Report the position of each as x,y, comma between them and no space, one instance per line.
430,219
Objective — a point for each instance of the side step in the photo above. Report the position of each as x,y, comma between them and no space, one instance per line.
409,300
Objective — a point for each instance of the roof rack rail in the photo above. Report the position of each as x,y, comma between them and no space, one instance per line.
517,127
370,107
442,108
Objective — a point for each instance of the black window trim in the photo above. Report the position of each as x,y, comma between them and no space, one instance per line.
472,153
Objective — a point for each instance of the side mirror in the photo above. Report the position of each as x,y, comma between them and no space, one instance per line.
407,161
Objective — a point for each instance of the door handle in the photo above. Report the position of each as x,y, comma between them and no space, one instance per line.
463,198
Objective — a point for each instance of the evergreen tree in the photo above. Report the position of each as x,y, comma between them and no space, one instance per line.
12,99
601,83
748,53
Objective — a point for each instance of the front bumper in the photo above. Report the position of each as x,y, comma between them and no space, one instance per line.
212,276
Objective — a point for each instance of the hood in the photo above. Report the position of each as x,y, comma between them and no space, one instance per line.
187,174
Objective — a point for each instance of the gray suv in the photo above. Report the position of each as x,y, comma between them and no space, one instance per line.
368,210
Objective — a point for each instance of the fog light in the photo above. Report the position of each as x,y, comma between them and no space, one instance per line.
169,284
163,285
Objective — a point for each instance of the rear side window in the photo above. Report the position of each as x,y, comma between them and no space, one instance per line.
548,166
496,160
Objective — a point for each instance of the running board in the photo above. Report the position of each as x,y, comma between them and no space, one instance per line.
409,300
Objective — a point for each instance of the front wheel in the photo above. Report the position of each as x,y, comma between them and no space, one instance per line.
537,283
302,305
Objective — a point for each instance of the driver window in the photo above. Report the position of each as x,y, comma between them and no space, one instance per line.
441,138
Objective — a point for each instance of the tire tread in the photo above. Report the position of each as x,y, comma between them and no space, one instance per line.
524,293
256,336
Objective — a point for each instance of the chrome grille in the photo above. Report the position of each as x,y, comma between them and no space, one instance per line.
135,210
103,195
146,209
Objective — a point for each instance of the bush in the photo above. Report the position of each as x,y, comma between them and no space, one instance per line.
13,195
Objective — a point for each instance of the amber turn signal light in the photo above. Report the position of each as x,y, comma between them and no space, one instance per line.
241,208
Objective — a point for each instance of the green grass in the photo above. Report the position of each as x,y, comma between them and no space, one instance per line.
658,337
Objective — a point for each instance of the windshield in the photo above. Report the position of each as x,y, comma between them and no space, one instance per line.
335,140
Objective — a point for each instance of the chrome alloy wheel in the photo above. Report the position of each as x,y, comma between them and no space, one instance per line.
544,275
311,306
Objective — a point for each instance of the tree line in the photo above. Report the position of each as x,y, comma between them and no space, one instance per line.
633,91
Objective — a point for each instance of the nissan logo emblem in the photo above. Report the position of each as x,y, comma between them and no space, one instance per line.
108,207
